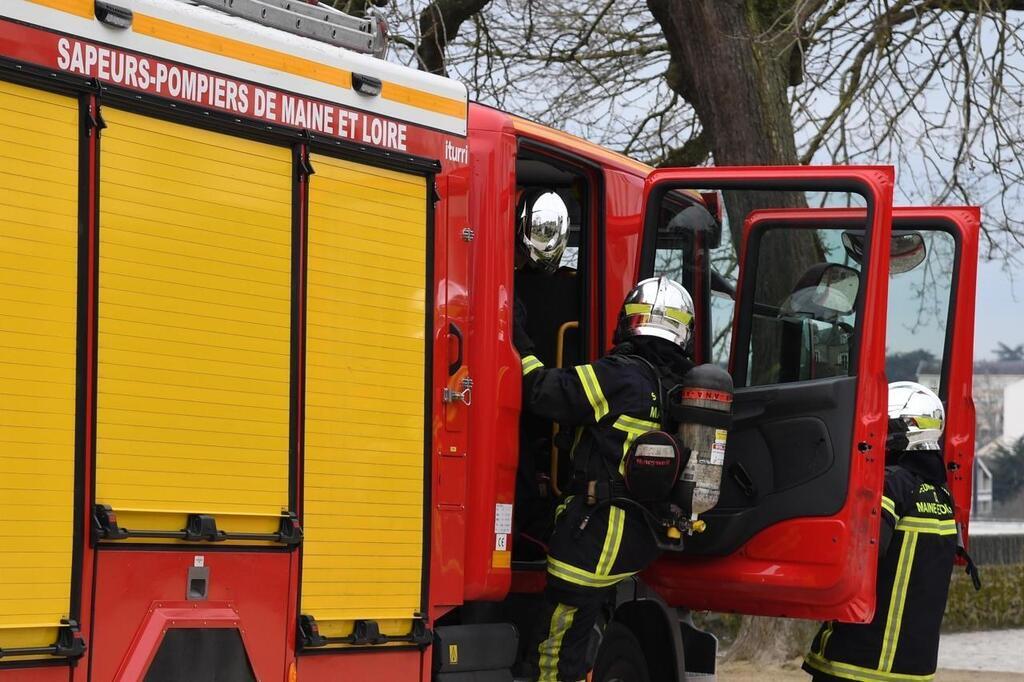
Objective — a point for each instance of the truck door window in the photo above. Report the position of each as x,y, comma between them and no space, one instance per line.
919,307
805,316
722,310
683,231
685,234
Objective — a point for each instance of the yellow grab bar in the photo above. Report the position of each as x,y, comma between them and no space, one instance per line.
559,360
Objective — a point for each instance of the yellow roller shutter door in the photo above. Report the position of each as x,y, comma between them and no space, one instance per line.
38,299
363,497
194,326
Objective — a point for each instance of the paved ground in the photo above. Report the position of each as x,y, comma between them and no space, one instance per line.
996,656
745,673
998,650
997,527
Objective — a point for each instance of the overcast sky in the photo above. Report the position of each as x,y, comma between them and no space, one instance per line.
1000,309
999,315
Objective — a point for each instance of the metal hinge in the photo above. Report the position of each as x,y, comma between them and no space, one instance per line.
468,234
465,396
94,118
304,167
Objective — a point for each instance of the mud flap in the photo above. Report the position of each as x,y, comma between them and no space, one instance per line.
701,649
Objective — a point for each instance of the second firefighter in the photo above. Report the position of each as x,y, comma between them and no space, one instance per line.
609,403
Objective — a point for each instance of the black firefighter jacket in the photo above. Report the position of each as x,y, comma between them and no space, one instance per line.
916,553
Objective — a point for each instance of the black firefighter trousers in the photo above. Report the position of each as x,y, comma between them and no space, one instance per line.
583,569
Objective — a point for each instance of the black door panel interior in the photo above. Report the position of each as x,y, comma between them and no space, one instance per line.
788,455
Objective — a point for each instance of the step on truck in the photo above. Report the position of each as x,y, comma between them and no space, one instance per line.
260,408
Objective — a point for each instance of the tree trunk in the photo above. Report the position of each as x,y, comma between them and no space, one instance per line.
767,641
735,72
736,78
439,24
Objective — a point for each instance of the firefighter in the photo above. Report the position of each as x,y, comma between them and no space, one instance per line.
917,546
609,403
542,235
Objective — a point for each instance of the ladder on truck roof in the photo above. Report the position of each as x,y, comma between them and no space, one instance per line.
318,21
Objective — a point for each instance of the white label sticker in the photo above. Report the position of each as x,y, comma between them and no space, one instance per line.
198,560
501,541
503,518
718,448
655,451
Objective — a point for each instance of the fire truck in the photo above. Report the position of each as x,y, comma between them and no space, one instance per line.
260,407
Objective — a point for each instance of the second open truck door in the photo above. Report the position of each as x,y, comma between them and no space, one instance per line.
794,532
933,278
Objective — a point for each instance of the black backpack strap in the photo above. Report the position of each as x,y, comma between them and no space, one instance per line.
971,568
662,399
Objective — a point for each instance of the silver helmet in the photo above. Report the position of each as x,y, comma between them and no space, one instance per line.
657,307
544,230
916,416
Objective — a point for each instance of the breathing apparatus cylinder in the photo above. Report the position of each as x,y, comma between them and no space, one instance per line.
702,407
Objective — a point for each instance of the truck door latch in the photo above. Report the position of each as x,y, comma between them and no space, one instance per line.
465,396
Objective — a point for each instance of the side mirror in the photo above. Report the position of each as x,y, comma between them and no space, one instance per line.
826,291
694,219
906,249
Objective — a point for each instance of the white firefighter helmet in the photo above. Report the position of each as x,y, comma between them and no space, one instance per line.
657,307
544,230
916,413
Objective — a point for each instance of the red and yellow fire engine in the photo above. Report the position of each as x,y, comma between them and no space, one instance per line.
260,406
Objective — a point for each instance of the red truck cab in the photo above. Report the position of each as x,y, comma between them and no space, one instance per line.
794,532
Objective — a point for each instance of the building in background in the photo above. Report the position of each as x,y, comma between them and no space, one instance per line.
999,405
982,503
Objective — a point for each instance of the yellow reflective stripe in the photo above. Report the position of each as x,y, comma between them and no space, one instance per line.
530,363
83,8
889,506
592,388
251,53
561,621
578,576
897,601
633,427
847,671
825,636
612,540
927,422
679,315
914,524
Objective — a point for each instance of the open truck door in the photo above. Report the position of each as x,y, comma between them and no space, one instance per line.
932,280
794,532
